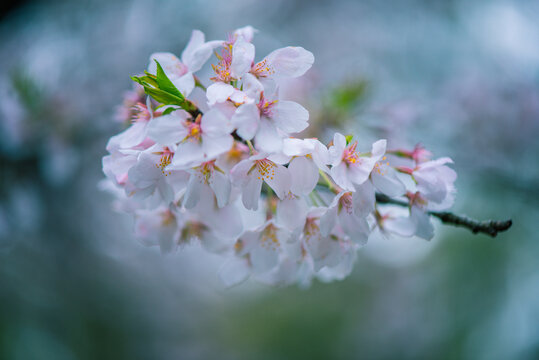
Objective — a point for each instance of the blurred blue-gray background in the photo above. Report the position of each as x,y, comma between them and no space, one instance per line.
461,77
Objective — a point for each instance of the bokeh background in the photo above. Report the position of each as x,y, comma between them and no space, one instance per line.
460,77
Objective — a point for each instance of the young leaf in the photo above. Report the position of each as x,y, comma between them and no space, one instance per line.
169,110
164,82
161,89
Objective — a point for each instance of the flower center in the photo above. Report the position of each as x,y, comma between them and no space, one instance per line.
262,69
164,161
311,229
238,246
265,106
237,152
266,169
192,229
350,155
416,199
167,218
345,203
378,166
269,238
205,171
193,131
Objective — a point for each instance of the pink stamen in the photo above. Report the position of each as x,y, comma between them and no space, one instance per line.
265,106
350,156
165,160
194,130
140,113
222,69
262,69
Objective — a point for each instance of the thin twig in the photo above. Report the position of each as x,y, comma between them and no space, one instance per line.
489,227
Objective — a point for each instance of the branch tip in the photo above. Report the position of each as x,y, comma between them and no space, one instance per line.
489,227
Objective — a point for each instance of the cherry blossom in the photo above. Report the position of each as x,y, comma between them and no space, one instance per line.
349,167
198,141
227,171
135,134
435,182
252,172
340,213
149,176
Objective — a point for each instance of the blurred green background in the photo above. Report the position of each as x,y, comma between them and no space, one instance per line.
461,77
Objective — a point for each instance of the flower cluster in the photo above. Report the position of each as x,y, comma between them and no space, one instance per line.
227,171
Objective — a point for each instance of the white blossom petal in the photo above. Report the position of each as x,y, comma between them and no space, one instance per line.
337,149
247,32
328,221
251,193
130,137
172,66
290,116
386,181
214,123
192,193
339,174
251,86
424,228
188,154
220,185
355,227
243,54
197,51
215,146
363,199
280,182
291,61
403,226
264,259
291,213
185,83
267,138
168,129
219,92
245,120
304,173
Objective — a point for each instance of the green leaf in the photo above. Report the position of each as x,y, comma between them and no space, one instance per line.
349,138
162,90
169,110
164,82
164,97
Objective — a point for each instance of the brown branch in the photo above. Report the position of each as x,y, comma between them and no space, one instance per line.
489,227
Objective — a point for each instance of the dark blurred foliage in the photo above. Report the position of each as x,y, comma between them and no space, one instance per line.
459,76
8,6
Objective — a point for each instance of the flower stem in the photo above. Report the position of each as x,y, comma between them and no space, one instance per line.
330,184
251,148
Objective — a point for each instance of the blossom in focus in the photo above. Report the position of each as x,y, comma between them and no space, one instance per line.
197,141
251,173
349,167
